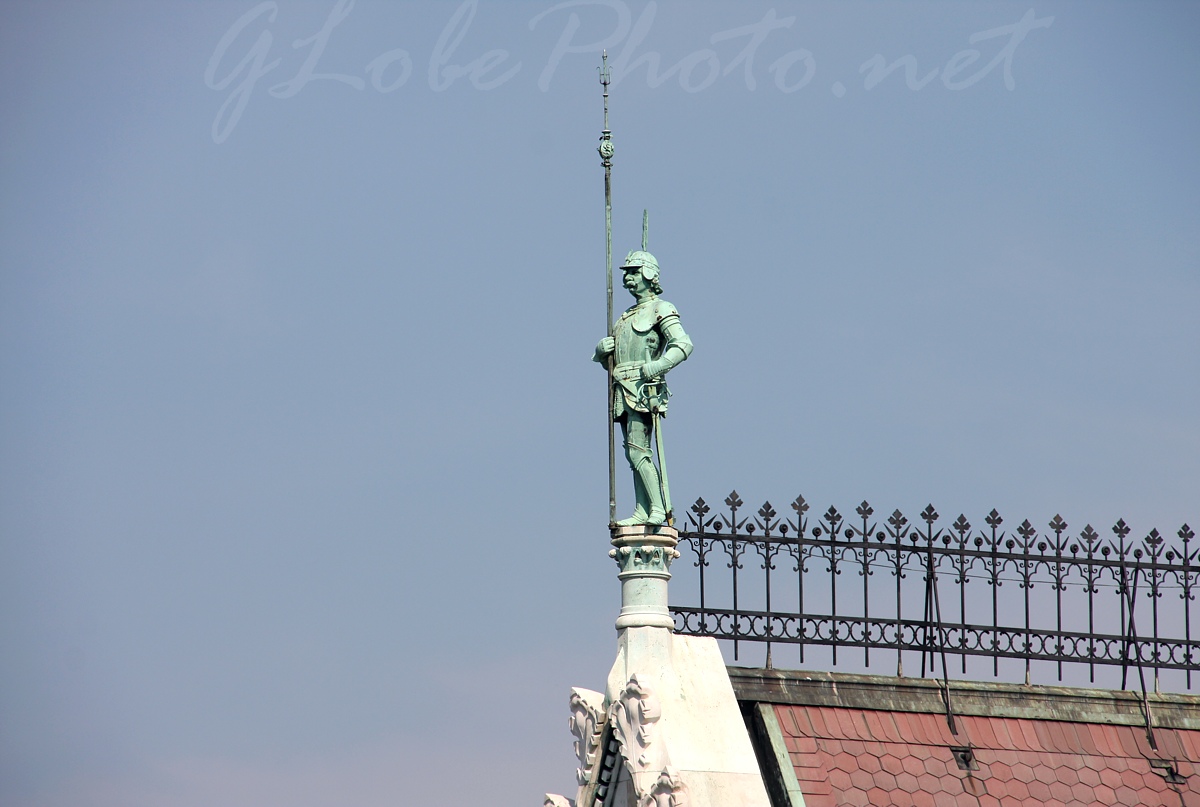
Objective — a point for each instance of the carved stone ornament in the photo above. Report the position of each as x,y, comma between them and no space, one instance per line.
644,558
668,790
555,800
635,717
586,723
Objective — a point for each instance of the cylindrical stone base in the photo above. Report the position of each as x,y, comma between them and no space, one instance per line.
644,554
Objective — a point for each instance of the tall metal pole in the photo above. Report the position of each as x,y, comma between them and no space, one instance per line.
606,155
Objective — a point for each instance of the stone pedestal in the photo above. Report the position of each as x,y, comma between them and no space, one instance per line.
668,704
683,740
668,698
644,554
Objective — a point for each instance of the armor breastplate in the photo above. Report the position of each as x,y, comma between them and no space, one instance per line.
637,339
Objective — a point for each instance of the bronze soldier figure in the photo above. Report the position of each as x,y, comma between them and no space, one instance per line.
648,340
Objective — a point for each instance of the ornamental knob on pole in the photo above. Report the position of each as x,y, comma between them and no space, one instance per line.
606,153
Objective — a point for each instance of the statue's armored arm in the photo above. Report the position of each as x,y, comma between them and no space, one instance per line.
678,347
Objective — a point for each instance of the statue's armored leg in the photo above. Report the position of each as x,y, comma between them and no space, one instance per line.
649,476
649,508
632,453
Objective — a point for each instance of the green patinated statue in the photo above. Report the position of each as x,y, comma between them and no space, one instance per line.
647,341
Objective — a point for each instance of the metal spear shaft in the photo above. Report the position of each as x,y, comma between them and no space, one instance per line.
606,154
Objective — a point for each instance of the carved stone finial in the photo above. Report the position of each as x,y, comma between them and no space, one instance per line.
634,716
668,790
555,800
586,723
635,719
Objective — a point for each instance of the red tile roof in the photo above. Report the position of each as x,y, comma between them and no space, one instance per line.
849,756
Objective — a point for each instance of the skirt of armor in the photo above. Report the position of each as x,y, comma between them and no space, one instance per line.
627,391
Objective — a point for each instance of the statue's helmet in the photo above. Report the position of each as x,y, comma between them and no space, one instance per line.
644,261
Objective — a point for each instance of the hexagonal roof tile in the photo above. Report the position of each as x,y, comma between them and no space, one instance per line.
886,757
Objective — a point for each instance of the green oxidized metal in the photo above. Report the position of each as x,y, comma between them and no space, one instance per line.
648,341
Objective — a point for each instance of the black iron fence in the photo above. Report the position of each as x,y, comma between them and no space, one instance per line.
906,586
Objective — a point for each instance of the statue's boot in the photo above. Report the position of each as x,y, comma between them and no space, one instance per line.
638,517
639,511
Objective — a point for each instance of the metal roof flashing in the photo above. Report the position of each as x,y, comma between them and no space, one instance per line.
983,699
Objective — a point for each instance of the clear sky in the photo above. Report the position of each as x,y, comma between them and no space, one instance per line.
302,456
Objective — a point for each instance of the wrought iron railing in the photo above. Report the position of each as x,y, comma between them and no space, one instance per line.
1015,595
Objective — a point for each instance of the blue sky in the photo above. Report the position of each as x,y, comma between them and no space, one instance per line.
302,458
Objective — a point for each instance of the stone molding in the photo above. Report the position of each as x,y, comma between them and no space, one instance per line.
645,534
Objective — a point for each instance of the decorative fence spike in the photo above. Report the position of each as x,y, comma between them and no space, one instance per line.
1062,609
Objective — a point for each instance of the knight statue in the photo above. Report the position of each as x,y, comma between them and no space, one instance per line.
647,341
